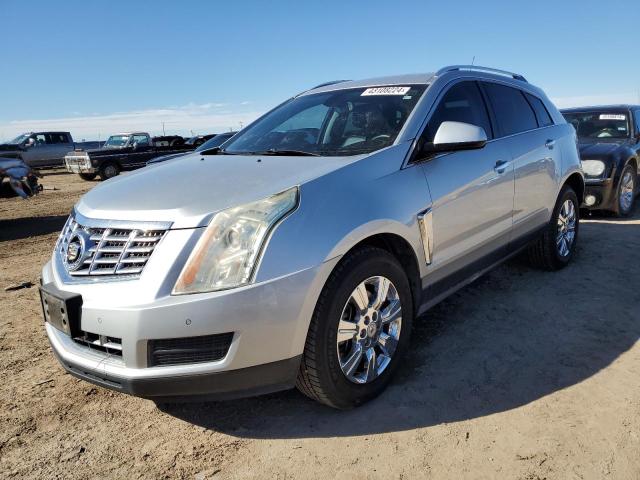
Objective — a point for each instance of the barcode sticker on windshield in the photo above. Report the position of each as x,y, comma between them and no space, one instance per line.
385,91
610,116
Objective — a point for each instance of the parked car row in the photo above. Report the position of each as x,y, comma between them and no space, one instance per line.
50,149
301,250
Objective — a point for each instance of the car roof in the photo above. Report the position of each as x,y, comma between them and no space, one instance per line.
129,133
596,108
408,79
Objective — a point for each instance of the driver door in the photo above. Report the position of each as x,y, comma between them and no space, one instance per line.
142,151
472,191
38,154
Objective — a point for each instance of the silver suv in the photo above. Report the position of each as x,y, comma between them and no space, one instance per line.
301,252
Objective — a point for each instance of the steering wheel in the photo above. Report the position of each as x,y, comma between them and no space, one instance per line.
606,133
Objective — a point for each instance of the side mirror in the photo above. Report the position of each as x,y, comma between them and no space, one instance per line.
453,136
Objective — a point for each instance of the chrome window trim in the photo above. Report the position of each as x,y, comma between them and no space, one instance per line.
443,91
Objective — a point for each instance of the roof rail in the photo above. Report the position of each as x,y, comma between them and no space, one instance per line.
326,84
475,68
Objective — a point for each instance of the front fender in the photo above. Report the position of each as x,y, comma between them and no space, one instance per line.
341,209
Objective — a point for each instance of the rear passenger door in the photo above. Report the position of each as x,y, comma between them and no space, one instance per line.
471,190
58,145
525,127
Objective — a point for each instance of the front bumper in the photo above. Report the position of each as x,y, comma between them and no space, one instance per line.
78,165
244,382
604,193
269,322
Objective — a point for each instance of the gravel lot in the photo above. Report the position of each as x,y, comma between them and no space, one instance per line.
521,375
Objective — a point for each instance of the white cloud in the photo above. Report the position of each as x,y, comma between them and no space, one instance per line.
199,118
587,100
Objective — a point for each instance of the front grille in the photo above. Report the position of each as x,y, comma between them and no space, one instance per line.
78,160
180,351
102,343
106,251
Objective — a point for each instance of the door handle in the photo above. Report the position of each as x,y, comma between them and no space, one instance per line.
550,144
501,166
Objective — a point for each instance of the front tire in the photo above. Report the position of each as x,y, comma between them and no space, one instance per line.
87,176
556,246
626,192
109,170
359,331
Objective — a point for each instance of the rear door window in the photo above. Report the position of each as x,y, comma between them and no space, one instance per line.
462,103
544,119
512,111
58,138
140,140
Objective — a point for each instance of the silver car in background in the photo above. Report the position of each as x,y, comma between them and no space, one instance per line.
302,252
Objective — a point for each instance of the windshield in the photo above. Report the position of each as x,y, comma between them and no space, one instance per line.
215,141
341,122
116,141
19,139
600,124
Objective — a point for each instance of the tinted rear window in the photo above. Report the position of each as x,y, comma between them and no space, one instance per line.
513,112
544,119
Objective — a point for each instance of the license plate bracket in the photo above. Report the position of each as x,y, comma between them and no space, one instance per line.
62,310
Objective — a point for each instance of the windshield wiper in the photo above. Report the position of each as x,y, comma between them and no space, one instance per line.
284,152
215,151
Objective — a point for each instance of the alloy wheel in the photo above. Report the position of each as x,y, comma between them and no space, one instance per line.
566,228
369,330
627,189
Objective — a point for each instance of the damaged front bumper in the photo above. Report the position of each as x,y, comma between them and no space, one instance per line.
22,179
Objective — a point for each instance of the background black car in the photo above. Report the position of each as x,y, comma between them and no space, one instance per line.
609,144
198,140
213,142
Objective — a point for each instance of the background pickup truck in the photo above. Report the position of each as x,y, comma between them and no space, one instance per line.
124,151
39,149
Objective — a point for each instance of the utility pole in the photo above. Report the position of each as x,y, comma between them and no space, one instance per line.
473,60
163,134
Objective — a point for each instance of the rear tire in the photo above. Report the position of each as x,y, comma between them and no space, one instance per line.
352,351
626,192
88,176
109,170
556,246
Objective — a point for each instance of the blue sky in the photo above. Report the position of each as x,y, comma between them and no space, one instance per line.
96,67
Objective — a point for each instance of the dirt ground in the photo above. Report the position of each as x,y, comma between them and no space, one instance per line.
521,375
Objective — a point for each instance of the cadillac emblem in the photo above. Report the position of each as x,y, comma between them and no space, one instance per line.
77,250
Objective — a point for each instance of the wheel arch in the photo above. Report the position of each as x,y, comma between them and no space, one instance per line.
402,250
576,182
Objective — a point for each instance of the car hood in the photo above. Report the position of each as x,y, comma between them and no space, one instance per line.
6,147
188,190
599,149
97,152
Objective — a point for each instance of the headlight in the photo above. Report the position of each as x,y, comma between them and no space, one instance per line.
227,251
593,168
